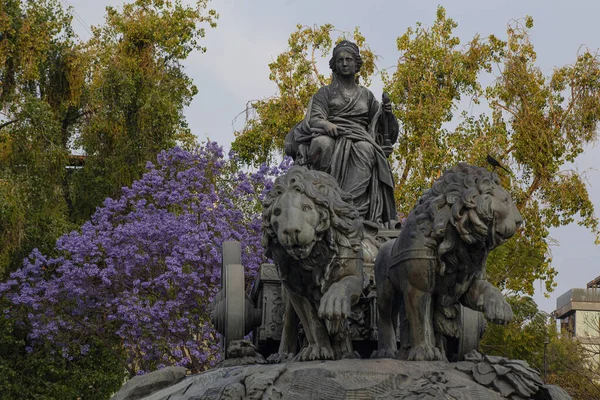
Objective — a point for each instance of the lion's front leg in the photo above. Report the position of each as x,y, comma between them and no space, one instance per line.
418,289
387,316
289,333
319,344
419,311
483,296
387,309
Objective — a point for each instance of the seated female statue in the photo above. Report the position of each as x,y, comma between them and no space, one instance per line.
347,134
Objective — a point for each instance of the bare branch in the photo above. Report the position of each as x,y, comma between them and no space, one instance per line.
5,124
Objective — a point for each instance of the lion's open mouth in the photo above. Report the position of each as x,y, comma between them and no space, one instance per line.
299,252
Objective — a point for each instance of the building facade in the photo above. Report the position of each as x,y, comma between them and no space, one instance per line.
578,311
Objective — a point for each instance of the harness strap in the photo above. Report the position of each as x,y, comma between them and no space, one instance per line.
412,254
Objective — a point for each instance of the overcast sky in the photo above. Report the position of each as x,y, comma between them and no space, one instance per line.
251,33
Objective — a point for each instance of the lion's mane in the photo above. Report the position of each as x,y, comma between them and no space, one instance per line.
461,199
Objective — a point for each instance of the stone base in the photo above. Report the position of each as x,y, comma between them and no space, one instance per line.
359,379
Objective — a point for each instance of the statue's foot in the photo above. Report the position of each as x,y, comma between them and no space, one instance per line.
280,358
424,352
384,353
314,352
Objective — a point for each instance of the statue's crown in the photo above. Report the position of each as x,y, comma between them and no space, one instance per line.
346,45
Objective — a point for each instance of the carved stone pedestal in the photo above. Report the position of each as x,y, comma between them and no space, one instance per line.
366,379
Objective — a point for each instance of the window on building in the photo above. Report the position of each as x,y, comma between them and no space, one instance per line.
567,325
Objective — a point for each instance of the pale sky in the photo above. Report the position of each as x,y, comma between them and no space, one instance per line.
250,34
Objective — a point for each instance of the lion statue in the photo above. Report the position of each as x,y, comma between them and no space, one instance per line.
313,232
438,262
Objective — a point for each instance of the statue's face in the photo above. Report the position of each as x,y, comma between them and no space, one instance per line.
345,64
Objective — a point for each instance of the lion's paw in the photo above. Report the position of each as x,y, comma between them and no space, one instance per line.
279,358
314,352
351,355
497,309
384,353
424,352
335,304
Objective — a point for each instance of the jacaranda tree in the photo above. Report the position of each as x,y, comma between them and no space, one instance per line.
140,275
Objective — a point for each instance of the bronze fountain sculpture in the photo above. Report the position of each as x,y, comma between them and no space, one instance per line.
346,275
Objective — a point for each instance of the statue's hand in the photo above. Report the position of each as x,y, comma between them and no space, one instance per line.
386,107
387,150
332,129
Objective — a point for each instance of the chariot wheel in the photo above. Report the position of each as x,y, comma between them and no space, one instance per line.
233,313
472,328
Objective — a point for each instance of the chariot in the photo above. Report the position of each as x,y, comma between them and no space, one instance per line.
261,313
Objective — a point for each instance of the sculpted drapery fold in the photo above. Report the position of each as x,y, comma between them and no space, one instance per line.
355,157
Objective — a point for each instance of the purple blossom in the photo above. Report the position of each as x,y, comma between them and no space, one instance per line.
142,272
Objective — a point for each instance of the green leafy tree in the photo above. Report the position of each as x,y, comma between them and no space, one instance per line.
434,72
542,123
117,99
570,367
569,363
521,339
44,374
297,76
39,98
137,93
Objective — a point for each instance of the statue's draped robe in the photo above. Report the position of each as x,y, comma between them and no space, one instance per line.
358,163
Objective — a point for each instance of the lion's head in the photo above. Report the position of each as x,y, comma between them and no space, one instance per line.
471,201
305,207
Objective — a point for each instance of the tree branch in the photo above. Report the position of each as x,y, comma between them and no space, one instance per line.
534,186
507,152
404,175
508,110
574,96
5,124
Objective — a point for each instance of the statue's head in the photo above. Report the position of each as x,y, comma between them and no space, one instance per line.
342,50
